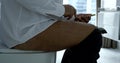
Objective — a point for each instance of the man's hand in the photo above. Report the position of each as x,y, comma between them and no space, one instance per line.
70,11
83,17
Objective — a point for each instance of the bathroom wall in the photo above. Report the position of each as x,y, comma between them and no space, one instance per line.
0,9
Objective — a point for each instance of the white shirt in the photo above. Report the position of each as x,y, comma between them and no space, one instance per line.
23,19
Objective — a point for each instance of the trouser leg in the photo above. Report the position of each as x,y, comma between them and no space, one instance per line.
85,52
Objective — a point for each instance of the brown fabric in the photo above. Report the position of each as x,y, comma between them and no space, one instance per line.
59,36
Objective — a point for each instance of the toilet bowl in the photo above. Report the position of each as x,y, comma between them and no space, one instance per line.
20,56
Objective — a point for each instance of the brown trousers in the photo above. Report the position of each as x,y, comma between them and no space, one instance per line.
60,35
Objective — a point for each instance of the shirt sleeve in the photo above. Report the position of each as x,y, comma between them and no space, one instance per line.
45,7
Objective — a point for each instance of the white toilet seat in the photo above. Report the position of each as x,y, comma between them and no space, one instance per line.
20,56
11,51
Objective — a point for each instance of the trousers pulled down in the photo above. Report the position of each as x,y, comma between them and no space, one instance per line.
85,52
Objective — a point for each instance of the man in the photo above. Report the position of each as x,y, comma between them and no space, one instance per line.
39,25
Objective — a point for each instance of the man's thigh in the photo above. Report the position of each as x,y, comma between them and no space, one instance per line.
59,36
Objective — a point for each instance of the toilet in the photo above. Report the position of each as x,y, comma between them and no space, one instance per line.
20,56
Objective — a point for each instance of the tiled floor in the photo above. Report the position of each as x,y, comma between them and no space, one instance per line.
106,56
109,56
